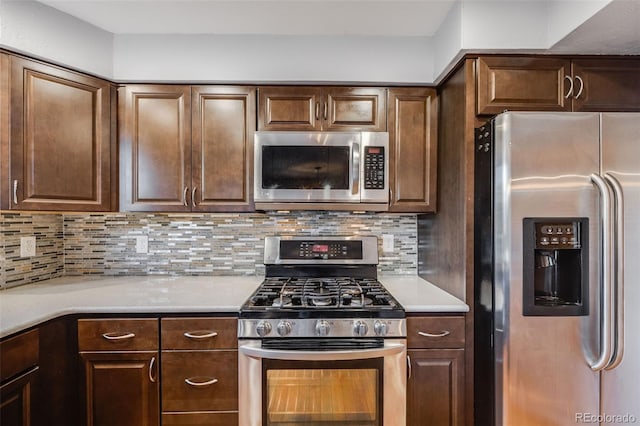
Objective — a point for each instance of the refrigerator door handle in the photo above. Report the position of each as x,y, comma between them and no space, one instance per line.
606,285
619,271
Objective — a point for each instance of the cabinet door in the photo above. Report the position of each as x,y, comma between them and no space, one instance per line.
121,388
606,85
60,139
519,84
354,109
222,148
16,407
5,105
290,108
435,388
155,148
413,149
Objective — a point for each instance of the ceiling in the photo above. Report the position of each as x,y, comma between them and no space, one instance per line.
274,17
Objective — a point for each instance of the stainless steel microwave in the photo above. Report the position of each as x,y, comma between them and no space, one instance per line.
341,169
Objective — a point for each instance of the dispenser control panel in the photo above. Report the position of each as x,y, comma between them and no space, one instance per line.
558,235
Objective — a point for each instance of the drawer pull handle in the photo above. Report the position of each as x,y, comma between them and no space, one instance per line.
118,336
193,382
203,334
441,334
151,363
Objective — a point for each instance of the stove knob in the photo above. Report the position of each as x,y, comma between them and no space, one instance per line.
263,328
380,328
322,328
283,328
360,328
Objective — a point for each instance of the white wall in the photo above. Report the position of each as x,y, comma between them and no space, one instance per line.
216,58
447,41
504,24
564,17
471,25
40,31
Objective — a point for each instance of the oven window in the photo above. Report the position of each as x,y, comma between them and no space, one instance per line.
305,167
322,396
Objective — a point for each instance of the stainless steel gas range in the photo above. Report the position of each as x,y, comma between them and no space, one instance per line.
321,341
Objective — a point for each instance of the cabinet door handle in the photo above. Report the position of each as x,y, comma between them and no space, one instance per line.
581,87
151,363
193,196
200,334
570,91
408,366
118,336
440,334
324,114
192,381
184,196
15,191
317,110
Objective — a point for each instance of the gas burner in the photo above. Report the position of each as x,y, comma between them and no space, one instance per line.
281,302
358,302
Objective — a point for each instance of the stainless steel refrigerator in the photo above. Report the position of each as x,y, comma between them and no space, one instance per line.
557,269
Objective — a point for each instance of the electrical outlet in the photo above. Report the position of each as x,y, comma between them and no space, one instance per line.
142,244
387,243
27,246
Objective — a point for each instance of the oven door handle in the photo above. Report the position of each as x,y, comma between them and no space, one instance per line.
387,350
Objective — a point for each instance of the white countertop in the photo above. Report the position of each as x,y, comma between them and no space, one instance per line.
28,305
418,295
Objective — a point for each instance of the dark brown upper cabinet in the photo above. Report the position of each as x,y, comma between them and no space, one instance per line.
186,148
606,84
223,124
59,138
556,84
413,116
322,108
518,84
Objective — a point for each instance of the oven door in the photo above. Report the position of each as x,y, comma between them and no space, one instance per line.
307,167
353,387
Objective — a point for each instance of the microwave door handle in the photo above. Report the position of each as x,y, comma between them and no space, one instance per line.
355,168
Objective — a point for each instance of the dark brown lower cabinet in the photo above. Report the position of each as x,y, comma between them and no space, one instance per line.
16,405
121,388
199,371
436,357
435,388
199,419
18,370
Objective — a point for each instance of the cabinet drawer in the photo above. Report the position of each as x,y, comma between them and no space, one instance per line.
213,377
118,334
200,419
199,333
435,332
18,354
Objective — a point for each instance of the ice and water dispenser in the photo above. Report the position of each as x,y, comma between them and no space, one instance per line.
556,267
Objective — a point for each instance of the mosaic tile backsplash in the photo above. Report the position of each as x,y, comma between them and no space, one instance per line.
49,259
180,244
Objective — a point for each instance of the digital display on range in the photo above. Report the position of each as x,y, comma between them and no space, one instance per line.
320,249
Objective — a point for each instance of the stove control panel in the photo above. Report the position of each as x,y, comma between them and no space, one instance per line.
321,249
329,327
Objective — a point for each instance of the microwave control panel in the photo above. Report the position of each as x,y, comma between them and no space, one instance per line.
374,167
